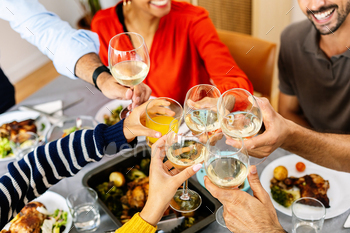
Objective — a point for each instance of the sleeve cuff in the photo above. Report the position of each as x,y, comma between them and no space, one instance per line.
111,139
137,224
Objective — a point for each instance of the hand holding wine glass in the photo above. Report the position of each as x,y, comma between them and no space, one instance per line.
226,166
162,183
128,60
256,213
184,151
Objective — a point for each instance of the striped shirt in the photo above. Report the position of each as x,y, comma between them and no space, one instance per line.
31,176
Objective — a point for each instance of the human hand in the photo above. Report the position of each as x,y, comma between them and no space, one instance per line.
206,102
113,90
275,135
243,212
134,124
162,183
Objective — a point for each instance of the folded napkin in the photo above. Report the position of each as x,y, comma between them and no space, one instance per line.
49,107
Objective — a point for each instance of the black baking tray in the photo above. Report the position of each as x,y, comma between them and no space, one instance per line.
98,175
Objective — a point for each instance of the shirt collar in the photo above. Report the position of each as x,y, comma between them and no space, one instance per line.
311,45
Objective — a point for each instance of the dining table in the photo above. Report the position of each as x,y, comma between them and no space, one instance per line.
68,90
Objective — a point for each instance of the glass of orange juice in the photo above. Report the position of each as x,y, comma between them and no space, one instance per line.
160,113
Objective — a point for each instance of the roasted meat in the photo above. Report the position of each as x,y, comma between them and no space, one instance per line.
30,219
12,129
312,185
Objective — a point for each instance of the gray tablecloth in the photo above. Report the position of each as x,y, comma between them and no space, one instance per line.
69,90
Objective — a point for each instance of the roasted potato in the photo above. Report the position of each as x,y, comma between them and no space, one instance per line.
280,173
117,178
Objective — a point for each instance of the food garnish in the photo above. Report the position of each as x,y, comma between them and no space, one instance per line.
300,166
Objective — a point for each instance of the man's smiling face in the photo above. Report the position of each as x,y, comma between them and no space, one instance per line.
327,16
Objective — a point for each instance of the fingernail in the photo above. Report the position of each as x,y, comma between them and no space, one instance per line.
197,167
158,135
253,170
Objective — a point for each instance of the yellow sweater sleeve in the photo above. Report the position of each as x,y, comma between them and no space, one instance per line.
136,224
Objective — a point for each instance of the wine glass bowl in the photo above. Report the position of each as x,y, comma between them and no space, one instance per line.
239,114
160,113
226,166
200,108
128,60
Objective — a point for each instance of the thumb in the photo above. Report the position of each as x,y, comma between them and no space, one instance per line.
258,191
128,94
213,189
187,173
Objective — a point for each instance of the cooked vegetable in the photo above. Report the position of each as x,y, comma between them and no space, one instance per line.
284,197
69,131
114,117
5,148
134,174
111,195
145,166
117,178
300,166
280,173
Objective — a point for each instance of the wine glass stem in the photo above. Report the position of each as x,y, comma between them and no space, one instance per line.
185,195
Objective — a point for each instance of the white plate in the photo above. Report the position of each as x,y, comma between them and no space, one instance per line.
53,201
25,115
339,188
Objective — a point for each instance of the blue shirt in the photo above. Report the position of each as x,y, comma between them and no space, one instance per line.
53,37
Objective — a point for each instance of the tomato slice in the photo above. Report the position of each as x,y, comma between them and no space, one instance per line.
300,166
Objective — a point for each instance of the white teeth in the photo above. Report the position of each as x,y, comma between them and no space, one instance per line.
323,15
159,3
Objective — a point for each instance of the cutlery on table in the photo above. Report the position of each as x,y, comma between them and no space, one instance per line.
52,113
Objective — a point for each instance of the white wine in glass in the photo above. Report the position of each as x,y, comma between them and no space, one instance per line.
128,60
184,151
200,109
239,114
227,172
202,120
226,166
130,73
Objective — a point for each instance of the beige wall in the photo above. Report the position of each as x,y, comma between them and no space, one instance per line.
270,17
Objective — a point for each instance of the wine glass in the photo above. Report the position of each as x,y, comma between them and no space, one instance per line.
226,166
160,113
239,114
128,60
185,150
200,109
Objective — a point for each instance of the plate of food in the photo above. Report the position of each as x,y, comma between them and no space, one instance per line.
109,113
49,213
291,177
13,123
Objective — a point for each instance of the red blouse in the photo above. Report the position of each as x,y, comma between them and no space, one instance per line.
186,51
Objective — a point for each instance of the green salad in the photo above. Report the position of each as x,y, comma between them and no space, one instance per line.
54,223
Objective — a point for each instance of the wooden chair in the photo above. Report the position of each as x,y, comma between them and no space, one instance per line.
257,62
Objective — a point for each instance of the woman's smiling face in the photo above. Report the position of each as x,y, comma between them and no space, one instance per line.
156,8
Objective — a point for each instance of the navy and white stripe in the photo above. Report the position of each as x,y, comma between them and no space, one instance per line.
46,165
